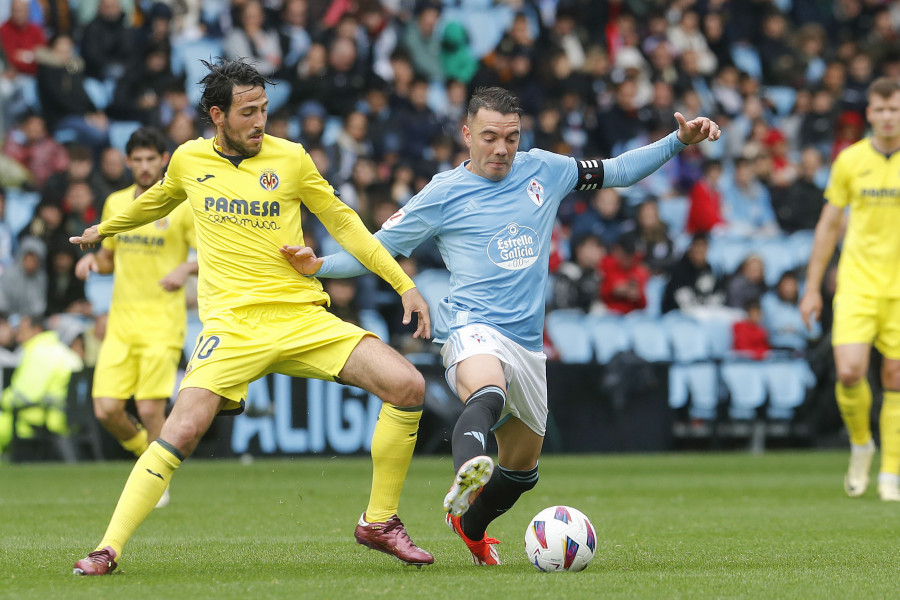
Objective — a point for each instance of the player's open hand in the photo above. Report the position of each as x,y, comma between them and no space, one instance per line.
86,265
302,258
810,307
88,239
413,302
696,130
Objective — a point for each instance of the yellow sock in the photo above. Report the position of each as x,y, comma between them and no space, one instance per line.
138,444
145,486
855,404
392,448
890,433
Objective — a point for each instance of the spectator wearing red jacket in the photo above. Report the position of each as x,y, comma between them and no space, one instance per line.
750,337
624,278
705,211
19,39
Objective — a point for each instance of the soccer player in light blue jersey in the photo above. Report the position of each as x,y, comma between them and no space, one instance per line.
492,219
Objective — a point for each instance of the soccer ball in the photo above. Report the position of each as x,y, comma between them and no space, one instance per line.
560,538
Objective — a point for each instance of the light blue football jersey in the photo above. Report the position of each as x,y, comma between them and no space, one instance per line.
494,236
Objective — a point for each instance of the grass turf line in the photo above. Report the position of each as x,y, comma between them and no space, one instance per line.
669,526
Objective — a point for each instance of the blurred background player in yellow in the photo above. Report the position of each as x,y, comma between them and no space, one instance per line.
245,189
147,317
866,178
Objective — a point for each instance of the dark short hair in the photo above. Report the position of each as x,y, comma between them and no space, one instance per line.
496,99
224,74
146,137
884,87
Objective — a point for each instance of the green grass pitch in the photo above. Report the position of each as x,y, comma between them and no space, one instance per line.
688,526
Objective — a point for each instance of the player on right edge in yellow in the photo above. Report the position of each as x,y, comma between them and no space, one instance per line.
866,178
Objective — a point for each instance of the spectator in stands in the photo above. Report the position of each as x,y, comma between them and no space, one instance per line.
181,128
747,209
109,46
817,128
64,99
80,168
692,285
686,36
344,300
19,39
138,93
419,125
312,73
78,206
747,283
779,61
65,292
576,283
352,144
705,212
46,226
651,238
7,239
111,177
23,286
31,146
344,83
294,35
422,40
36,396
782,318
624,278
798,207
750,338
603,218
253,40
457,60
849,129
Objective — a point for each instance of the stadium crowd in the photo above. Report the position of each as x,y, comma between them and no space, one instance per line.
376,90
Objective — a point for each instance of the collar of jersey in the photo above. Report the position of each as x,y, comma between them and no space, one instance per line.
235,160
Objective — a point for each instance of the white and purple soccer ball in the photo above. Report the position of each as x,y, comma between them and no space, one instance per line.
560,538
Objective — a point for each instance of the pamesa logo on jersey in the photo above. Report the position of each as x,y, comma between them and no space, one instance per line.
515,247
268,180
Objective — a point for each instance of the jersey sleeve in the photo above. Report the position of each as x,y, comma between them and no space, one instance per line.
347,228
108,242
155,203
563,169
837,192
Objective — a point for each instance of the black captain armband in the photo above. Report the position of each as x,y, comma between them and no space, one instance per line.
590,174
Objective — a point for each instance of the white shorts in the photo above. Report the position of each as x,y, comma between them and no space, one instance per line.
525,372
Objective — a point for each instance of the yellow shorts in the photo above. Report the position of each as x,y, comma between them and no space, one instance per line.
245,343
867,320
125,370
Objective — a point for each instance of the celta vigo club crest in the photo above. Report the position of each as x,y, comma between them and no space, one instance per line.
536,192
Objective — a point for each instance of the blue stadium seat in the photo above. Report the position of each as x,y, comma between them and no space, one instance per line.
746,58
569,335
719,336
654,290
801,246
782,98
687,338
608,335
778,257
100,93
726,253
703,386
98,291
673,212
678,386
120,132
20,207
787,382
190,55
648,339
371,320
745,383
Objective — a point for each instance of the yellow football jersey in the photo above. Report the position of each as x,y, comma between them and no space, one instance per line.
245,210
869,183
141,310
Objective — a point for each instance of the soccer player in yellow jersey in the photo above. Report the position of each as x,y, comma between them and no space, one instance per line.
145,334
259,315
865,178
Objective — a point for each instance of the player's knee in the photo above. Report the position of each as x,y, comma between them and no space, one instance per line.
106,413
890,375
410,388
151,410
850,374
